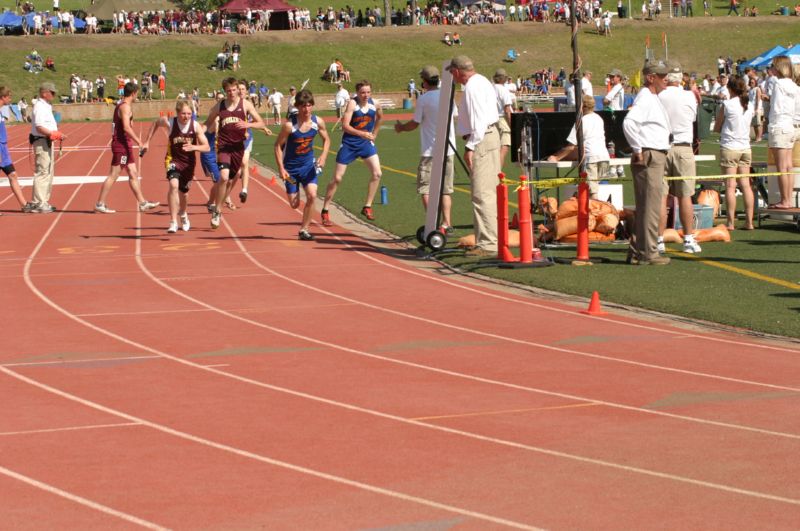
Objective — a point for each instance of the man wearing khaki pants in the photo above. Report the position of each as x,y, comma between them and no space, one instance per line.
44,131
477,122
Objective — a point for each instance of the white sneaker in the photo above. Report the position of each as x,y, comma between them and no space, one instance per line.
215,219
173,227
144,206
691,246
185,225
103,209
662,249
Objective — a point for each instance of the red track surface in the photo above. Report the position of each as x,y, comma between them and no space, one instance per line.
242,379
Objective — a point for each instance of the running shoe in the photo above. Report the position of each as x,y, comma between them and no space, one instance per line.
691,246
185,225
326,218
210,208
662,249
144,206
173,227
243,196
44,208
305,235
29,207
215,219
367,213
103,209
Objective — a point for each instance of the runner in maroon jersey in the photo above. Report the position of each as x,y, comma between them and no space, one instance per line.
122,139
185,138
229,120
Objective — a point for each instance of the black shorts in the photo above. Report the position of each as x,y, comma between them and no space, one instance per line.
8,170
184,179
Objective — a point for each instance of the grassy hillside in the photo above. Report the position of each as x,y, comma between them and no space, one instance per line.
389,56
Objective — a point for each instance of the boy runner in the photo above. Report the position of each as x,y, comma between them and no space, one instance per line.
122,139
294,154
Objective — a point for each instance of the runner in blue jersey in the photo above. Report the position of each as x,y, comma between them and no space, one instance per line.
361,124
6,164
294,154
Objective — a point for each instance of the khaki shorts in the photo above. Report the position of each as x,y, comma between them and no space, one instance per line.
505,132
424,175
781,137
680,162
758,117
595,171
735,158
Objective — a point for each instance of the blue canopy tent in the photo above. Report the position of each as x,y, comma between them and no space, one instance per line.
763,60
794,54
10,20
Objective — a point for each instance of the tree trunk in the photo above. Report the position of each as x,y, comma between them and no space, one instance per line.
387,13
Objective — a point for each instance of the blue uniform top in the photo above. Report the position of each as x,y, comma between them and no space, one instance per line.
363,119
3,134
299,150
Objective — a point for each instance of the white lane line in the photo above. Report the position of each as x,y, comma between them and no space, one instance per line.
438,322
79,499
351,407
62,179
77,361
70,428
268,460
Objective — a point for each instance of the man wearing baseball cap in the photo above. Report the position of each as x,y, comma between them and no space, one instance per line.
505,106
647,130
425,115
681,108
44,130
615,98
477,123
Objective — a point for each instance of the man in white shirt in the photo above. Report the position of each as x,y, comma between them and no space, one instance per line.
477,122
586,89
274,102
340,100
44,131
595,156
720,90
615,98
425,115
505,106
681,107
647,130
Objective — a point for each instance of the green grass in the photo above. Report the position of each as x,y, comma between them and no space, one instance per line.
388,57
698,290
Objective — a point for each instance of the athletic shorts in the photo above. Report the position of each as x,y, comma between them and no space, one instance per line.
122,158
424,175
8,169
208,161
5,156
348,152
231,160
301,177
184,178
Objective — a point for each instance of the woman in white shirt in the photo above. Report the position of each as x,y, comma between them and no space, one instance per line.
733,124
755,94
781,127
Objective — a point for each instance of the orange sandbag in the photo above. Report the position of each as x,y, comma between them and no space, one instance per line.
606,223
714,234
672,236
469,239
567,226
709,198
598,207
593,237
548,205
568,208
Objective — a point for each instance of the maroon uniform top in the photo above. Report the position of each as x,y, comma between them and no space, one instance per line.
120,142
229,138
177,159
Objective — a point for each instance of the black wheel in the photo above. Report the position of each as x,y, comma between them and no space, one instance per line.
436,240
421,235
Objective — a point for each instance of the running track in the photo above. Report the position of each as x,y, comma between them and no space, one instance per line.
241,379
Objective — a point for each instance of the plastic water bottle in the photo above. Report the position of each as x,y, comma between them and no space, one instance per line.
384,195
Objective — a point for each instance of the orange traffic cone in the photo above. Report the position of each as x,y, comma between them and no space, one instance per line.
254,171
273,182
515,221
594,306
